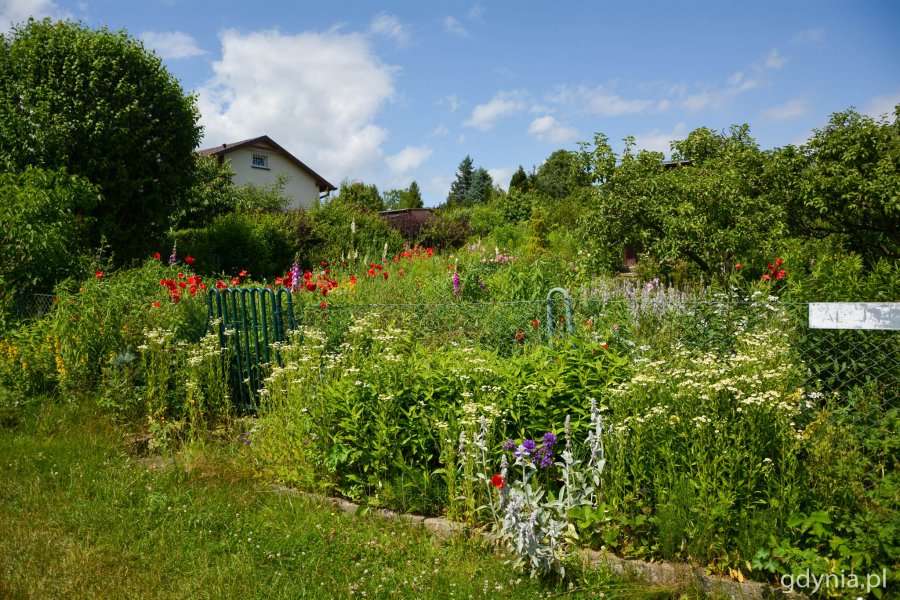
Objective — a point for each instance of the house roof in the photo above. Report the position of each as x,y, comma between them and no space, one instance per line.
224,149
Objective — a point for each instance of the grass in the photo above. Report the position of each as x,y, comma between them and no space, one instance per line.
80,516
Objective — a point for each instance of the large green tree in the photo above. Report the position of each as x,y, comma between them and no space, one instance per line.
97,103
707,210
459,189
360,195
844,183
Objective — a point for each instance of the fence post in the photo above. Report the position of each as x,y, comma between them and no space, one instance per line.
567,299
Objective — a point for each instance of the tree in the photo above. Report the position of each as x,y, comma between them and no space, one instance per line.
708,212
845,182
459,189
480,188
99,104
363,197
414,196
519,181
561,174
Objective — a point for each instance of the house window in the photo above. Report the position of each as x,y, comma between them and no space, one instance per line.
260,161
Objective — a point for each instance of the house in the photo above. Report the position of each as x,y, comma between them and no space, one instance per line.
261,161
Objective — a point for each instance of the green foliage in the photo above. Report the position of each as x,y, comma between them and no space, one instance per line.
259,243
44,229
459,189
343,231
413,197
520,181
399,199
360,196
96,103
561,175
708,212
449,228
844,183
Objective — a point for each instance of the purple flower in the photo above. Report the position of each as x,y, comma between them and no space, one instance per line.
296,276
481,285
526,450
544,456
173,258
456,282
549,439
509,445
529,445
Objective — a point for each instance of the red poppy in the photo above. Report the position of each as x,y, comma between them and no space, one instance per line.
242,274
235,281
520,335
353,279
323,305
221,285
497,481
278,280
157,304
203,286
310,286
400,272
98,274
181,276
605,346
779,262
324,263
182,284
385,274
157,256
535,323
190,259
193,290
737,266
780,274
771,267
766,277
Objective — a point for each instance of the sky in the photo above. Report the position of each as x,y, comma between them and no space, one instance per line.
387,93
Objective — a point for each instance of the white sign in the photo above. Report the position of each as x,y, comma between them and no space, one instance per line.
854,315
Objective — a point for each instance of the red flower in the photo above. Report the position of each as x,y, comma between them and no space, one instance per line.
181,276
157,304
242,274
193,290
190,259
182,284
353,279
221,285
780,274
400,272
278,280
324,263
535,323
385,274
737,266
371,272
771,267
605,345
323,305
235,281
157,256
497,481
520,335
98,275
766,277
203,286
311,286
779,262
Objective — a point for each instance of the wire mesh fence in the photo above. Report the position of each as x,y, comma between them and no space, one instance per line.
33,305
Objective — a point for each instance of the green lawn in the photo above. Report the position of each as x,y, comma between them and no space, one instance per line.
80,517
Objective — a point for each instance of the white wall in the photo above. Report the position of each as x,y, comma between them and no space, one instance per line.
300,187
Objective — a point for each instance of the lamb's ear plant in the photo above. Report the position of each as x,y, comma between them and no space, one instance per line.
536,523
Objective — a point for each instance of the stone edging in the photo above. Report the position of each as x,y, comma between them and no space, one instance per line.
662,573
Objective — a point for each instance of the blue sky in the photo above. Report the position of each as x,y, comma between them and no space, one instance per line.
391,92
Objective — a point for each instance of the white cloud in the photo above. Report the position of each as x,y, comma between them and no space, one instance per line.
787,111
548,129
390,27
440,130
316,94
774,60
659,141
453,102
809,36
172,44
882,105
435,190
597,101
16,11
502,175
503,104
476,12
452,25
408,159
